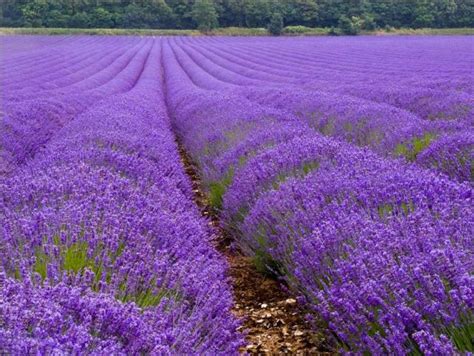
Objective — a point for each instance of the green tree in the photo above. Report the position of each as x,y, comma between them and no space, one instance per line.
301,12
329,12
275,27
12,13
74,6
424,14
150,14
79,20
133,16
257,13
368,22
463,15
101,18
349,26
445,9
204,15
160,14
230,12
34,12
347,14
56,18
182,13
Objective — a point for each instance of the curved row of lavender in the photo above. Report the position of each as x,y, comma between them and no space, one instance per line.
102,250
38,102
380,249
398,96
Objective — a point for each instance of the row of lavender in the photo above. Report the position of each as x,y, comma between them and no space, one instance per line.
38,102
102,249
401,97
380,249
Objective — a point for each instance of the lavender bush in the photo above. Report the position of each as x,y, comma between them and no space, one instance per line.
102,248
341,165
398,108
378,247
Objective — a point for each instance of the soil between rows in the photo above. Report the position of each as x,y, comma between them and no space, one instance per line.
273,321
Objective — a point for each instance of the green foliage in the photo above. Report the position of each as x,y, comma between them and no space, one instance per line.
275,27
333,31
301,12
75,257
41,263
133,17
411,150
297,172
154,15
240,31
204,15
56,19
303,30
79,20
425,13
262,260
462,335
34,12
218,188
101,18
257,13
368,23
296,29
149,297
347,16
97,31
349,26
402,208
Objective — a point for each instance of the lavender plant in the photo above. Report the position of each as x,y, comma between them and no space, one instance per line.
102,249
341,165
378,247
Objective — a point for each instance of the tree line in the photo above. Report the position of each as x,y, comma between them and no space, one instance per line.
347,15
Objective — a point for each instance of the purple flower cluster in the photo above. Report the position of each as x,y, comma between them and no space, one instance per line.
55,319
36,103
298,142
395,95
380,248
452,154
102,249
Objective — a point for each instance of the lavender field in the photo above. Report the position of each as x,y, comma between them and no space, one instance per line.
343,166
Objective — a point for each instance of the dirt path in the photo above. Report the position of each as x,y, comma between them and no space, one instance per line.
273,321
